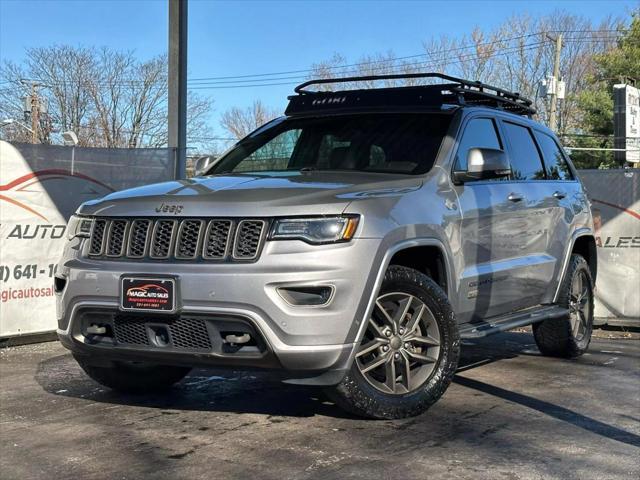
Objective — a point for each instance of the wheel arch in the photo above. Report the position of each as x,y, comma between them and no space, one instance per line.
582,242
389,253
585,245
428,259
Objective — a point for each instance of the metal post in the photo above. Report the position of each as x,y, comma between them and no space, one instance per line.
35,113
178,84
553,122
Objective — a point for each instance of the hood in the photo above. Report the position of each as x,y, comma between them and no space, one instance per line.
243,195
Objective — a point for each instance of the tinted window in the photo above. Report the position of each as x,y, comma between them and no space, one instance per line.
479,133
524,156
407,143
274,155
557,167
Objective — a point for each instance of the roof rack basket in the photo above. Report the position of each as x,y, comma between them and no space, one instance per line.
456,91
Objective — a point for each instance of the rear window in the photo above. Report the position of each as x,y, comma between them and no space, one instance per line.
525,159
403,143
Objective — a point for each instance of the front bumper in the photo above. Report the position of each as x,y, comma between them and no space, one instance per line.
312,344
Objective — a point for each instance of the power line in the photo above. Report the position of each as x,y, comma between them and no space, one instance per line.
392,69
332,67
232,79
447,61
261,77
99,128
376,66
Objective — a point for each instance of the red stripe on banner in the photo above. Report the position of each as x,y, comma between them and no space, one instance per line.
43,173
21,205
613,205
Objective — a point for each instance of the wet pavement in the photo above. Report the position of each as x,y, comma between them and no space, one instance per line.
510,414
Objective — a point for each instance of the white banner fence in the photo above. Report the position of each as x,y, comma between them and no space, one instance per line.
42,185
615,203
40,188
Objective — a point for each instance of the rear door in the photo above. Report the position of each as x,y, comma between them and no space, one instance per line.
563,198
535,246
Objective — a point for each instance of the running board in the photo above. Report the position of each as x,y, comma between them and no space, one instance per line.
511,321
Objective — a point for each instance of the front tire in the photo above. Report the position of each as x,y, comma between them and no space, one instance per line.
569,337
130,377
409,352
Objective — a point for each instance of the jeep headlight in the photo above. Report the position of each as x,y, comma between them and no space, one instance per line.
315,230
79,227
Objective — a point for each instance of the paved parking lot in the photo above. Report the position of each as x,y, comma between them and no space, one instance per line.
510,414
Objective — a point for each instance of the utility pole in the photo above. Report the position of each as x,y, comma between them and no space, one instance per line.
34,109
177,101
35,113
553,122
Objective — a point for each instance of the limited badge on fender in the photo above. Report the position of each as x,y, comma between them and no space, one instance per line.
147,294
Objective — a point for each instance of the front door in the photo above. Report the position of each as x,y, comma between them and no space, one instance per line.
501,236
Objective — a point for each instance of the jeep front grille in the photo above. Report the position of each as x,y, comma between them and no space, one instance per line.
162,240
217,239
117,232
248,239
97,237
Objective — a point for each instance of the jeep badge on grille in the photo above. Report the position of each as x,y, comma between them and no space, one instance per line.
169,208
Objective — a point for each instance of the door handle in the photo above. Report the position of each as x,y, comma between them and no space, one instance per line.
559,195
515,197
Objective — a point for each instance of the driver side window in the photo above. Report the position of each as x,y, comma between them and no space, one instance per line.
479,133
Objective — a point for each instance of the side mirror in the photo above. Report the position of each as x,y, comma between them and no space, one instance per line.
483,164
201,164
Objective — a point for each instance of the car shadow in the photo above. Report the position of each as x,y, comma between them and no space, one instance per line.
261,392
214,390
552,410
225,390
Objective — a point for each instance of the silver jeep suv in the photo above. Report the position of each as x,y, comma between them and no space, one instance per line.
350,244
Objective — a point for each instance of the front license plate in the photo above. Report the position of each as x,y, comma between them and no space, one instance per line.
148,294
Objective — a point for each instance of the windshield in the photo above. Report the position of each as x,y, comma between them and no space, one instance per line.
403,143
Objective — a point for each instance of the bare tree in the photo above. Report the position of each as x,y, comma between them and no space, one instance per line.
129,99
63,73
516,55
109,98
241,122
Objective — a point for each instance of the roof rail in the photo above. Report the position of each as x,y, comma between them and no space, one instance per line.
459,91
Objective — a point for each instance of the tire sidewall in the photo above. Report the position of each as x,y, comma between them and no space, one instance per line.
554,337
579,265
402,279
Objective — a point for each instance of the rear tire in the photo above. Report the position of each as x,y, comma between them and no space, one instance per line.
569,337
134,377
408,355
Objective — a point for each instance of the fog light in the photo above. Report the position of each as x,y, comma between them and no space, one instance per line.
306,296
59,283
